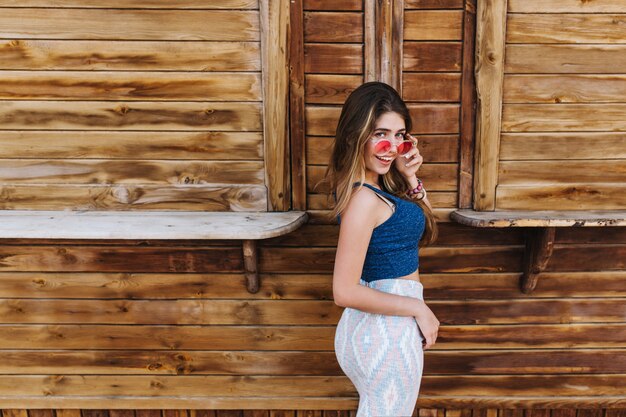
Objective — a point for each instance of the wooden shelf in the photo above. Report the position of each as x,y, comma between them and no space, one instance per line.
158,225
545,218
541,231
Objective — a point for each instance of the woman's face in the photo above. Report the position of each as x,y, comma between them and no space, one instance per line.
388,126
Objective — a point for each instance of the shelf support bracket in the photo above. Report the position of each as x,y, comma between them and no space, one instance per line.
250,262
539,248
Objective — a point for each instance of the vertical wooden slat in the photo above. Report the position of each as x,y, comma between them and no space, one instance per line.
296,106
384,22
369,49
490,37
275,49
468,107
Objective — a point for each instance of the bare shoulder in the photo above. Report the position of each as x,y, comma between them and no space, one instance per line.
363,209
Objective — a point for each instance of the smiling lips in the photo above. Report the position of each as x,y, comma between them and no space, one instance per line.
385,159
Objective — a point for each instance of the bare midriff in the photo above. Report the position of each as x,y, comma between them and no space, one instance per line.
413,276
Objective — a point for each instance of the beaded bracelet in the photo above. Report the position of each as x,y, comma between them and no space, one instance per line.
418,192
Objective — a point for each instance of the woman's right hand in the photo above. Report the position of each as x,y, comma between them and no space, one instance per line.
428,325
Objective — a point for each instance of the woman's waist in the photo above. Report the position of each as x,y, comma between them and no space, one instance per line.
408,285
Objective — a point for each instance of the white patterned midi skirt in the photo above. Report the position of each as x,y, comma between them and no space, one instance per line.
382,355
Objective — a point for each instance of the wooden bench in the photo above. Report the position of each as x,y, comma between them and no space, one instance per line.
540,236
158,225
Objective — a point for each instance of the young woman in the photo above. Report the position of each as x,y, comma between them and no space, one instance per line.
383,213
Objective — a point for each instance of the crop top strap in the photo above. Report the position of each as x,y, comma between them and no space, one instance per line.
382,195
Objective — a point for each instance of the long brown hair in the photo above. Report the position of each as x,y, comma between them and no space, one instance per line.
347,163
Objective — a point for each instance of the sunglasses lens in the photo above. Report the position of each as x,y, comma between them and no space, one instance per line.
382,147
404,147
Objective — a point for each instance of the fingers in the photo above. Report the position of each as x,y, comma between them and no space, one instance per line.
414,158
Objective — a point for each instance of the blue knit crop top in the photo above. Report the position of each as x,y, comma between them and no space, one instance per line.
393,248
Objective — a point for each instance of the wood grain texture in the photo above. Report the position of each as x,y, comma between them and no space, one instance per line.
490,33
565,59
426,25
425,87
566,28
112,145
21,54
574,145
433,4
486,362
468,107
333,58
100,225
540,218
438,199
120,336
133,197
432,56
333,5
330,88
75,85
168,286
117,24
557,172
580,196
564,89
102,115
178,312
134,4
297,94
563,117
334,27
566,6
275,47
129,171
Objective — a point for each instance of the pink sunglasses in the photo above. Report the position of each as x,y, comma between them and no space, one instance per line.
383,145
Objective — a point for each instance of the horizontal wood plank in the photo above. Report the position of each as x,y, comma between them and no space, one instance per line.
133,362
111,145
141,86
129,24
565,59
563,117
179,385
540,218
564,89
304,338
313,386
74,55
337,27
120,336
599,196
575,145
320,58
426,25
434,148
180,312
161,225
565,6
431,56
425,87
487,362
137,4
561,172
566,28
433,4
102,171
133,197
334,5
330,88
103,115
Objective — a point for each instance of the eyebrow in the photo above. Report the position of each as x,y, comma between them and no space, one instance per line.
387,130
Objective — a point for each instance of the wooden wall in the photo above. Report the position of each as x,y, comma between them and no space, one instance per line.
131,105
151,326
563,143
